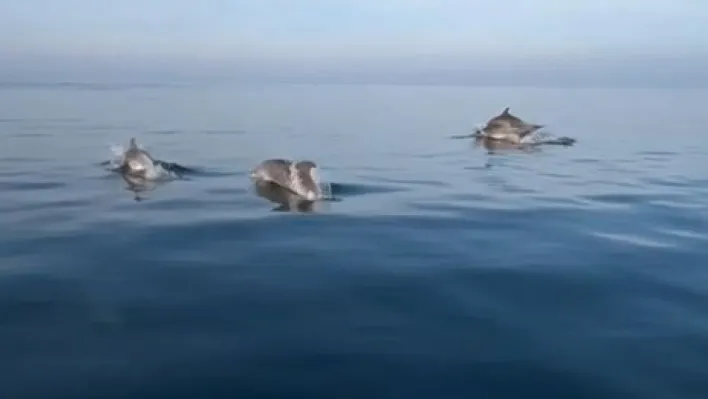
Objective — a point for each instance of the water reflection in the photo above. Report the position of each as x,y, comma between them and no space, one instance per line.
498,146
287,200
494,146
139,185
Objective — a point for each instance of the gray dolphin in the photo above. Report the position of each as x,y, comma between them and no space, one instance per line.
507,127
139,163
302,177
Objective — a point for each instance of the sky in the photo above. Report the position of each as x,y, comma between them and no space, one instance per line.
355,39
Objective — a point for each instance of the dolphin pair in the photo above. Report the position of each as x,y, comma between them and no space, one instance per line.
299,177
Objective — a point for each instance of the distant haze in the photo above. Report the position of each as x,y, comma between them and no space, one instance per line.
514,42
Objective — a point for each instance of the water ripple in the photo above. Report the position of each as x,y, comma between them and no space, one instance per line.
440,270
30,185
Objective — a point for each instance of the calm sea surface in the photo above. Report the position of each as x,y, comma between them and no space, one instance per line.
441,272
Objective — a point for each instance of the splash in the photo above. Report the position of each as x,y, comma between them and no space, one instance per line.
116,160
117,150
537,137
545,138
476,132
323,182
157,172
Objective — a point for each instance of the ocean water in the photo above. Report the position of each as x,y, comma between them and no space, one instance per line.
441,271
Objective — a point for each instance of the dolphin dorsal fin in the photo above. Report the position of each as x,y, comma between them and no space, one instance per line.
506,111
133,144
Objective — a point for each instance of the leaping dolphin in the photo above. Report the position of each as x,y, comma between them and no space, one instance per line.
509,128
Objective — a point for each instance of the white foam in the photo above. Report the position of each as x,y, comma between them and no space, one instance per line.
117,159
322,182
117,150
537,137
326,188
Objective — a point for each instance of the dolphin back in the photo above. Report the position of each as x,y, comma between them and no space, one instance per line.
273,170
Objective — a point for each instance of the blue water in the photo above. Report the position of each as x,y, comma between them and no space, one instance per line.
442,271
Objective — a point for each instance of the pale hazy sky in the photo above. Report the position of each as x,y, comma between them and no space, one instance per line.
314,35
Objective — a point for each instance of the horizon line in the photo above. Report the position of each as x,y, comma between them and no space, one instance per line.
107,84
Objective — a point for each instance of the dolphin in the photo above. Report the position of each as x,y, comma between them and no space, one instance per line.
509,128
300,177
138,163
